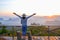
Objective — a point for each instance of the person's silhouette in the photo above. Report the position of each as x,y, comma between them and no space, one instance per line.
24,22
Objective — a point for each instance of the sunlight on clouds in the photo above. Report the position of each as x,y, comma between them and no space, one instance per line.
41,7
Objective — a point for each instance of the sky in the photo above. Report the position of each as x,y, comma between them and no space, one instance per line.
40,7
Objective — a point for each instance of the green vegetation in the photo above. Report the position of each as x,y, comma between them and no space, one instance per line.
3,30
43,31
35,31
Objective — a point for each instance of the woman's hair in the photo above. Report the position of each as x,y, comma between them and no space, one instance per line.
23,17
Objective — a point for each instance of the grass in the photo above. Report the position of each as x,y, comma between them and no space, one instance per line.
36,31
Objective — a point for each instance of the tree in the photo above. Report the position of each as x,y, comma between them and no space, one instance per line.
3,30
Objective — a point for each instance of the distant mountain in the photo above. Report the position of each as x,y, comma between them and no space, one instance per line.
1,18
42,20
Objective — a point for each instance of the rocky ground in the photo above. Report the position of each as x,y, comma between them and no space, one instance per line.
34,38
2,39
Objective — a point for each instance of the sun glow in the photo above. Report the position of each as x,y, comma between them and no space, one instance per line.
52,16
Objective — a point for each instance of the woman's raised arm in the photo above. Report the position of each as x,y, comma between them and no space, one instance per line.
31,15
17,15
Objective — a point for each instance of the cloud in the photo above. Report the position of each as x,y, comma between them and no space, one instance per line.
8,3
42,7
